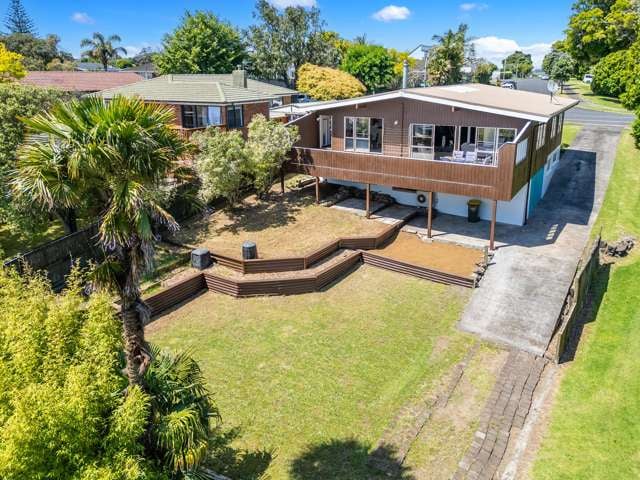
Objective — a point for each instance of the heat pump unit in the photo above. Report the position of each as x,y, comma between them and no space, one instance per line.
422,199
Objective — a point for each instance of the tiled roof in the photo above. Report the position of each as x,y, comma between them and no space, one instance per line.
202,88
80,81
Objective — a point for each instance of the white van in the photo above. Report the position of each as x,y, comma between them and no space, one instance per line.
588,78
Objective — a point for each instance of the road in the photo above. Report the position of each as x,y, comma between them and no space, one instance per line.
580,116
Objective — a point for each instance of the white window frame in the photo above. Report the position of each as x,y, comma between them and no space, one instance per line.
541,135
411,146
355,136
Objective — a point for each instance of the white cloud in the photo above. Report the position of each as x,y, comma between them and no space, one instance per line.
82,17
468,7
133,50
391,13
496,49
292,3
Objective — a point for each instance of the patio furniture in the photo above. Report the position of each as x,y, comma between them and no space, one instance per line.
471,157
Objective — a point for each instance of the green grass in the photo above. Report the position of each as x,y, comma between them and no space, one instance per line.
594,431
592,101
315,379
14,241
620,213
569,132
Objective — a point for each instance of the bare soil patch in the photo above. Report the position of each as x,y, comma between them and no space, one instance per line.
281,226
444,257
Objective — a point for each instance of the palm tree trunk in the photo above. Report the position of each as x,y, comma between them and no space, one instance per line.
136,351
69,220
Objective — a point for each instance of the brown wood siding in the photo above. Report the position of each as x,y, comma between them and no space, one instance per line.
398,115
403,172
308,130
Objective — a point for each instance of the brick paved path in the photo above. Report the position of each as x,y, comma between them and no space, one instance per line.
505,410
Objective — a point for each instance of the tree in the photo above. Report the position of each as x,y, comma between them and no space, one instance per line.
201,44
371,64
520,63
16,101
562,69
37,52
445,62
63,411
268,143
324,83
611,74
635,130
282,41
483,71
11,67
124,150
398,64
222,164
17,20
101,49
61,414
599,28
60,65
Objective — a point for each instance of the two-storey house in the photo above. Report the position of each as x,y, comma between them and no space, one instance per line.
439,147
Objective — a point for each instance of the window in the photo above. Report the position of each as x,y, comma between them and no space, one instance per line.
506,135
421,141
234,116
486,142
199,116
541,134
363,134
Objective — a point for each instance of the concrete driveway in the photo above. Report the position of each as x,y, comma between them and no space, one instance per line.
521,296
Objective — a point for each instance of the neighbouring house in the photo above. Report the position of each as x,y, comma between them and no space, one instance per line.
80,83
439,147
201,100
94,67
145,70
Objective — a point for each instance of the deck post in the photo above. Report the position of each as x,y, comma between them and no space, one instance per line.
429,213
282,181
368,201
317,190
492,234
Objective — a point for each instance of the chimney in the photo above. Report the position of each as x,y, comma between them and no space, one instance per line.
239,78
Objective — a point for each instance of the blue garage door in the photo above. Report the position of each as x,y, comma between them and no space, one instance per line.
535,190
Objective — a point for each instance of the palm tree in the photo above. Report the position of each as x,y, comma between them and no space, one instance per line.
126,150
183,419
448,57
102,49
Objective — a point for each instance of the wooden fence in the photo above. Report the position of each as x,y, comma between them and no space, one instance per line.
575,301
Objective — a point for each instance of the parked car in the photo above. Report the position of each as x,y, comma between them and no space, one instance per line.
545,77
509,84
588,78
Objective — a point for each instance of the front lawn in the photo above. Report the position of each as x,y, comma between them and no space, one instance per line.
569,133
592,101
315,379
594,431
281,226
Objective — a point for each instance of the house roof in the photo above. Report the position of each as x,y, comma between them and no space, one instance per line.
473,96
199,88
80,81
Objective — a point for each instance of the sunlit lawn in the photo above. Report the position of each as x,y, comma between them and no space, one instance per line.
593,101
316,378
569,132
594,431
14,241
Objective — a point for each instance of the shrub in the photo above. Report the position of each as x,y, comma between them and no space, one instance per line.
324,83
635,129
371,64
222,164
268,144
611,73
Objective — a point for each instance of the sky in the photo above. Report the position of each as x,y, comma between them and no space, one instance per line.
498,26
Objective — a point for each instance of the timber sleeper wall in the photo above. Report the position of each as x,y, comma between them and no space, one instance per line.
292,264
298,283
